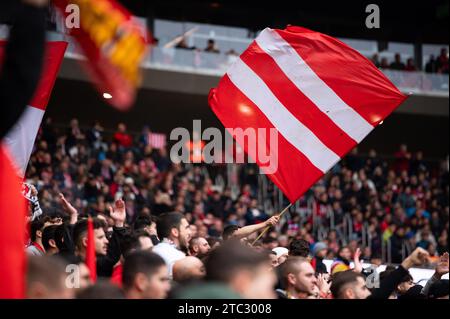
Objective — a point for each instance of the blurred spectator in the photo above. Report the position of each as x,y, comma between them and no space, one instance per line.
211,47
402,157
431,66
442,62
183,45
242,269
46,279
121,137
397,64
145,276
410,65
384,63
376,60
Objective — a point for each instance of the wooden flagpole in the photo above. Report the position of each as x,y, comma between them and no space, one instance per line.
268,227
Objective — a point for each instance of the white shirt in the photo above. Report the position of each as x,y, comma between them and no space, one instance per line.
169,252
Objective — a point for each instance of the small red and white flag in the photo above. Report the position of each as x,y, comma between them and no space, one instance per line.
91,259
320,96
20,139
157,140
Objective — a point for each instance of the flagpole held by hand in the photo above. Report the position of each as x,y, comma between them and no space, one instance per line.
268,227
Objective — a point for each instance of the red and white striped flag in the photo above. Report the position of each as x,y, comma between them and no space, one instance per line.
321,96
20,139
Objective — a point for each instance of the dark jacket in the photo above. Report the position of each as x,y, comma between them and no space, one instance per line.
389,283
105,263
319,266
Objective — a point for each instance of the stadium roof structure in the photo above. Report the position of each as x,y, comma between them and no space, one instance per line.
404,21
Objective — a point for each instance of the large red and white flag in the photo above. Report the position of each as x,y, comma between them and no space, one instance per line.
20,139
319,95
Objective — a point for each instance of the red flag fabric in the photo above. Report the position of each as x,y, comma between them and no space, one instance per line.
113,45
319,96
20,139
15,150
91,260
12,230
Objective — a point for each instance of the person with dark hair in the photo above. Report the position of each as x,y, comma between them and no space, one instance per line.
211,46
228,231
108,251
130,242
236,232
349,285
352,285
242,269
214,242
36,248
298,278
101,290
46,279
320,250
397,64
63,241
148,224
145,276
173,228
406,283
199,247
299,247
49,241
431,66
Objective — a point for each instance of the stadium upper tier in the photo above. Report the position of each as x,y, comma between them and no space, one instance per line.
229,42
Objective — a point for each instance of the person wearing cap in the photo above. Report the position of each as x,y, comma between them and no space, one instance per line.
282,254
319,253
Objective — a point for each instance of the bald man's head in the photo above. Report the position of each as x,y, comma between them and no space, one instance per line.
189,268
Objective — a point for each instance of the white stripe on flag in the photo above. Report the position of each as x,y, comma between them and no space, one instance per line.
312,86
20,139
252,86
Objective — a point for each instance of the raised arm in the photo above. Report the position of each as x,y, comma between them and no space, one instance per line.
69,209
388,285
441,270
105,264
250,229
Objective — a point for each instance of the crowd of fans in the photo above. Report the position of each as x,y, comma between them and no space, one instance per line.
433,65
143,202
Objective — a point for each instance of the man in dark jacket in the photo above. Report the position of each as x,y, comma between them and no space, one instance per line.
108,251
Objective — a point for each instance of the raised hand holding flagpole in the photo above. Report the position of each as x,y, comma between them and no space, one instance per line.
268,227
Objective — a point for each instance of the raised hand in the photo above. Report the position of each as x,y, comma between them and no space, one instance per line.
442,265
418,257
69,209
357,261
118,213
272,221
323,283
